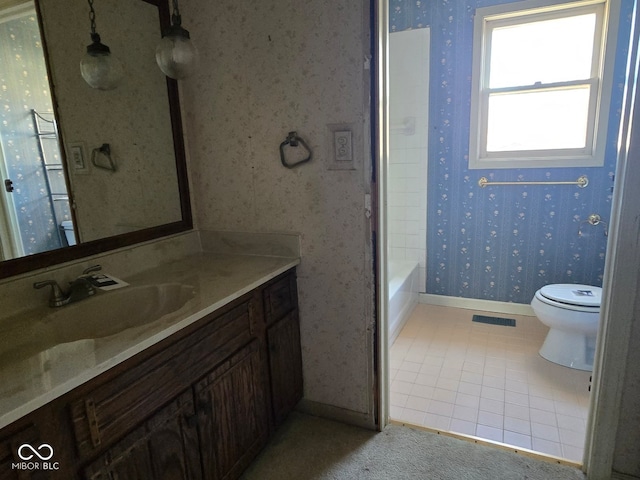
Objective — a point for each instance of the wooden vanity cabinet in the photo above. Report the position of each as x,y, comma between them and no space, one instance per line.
283,343
232,414
164,447
111,404
285,366
24,431
199,405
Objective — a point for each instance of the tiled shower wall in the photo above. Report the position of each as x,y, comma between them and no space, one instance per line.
409,133
501,243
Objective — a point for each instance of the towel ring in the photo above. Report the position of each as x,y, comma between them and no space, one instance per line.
293,140
104,150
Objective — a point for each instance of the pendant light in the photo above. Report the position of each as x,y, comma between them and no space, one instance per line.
176,54
98,67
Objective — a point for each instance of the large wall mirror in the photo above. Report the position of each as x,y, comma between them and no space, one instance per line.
84,170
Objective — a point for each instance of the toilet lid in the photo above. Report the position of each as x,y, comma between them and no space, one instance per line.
573,294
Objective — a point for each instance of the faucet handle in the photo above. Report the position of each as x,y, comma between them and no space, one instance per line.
57,298
93,268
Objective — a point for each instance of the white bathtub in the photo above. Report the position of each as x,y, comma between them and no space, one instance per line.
404,278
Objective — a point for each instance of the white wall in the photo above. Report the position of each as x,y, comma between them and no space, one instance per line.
409,133
268,68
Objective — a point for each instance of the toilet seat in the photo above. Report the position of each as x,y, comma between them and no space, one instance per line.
576,297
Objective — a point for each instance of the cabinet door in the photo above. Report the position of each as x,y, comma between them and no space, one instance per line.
285,365
280,297
12,467
232,414
165,447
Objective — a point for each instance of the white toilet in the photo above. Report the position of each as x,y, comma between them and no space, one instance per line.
572,313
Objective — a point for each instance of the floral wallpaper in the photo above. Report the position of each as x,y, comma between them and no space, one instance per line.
408,14
24,86
501,242
268,68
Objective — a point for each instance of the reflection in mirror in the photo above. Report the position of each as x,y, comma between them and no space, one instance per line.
120,151
34,203
132,119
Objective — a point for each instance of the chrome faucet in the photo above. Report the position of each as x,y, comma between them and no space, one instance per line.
79,289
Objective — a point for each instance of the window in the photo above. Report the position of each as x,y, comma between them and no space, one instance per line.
541,85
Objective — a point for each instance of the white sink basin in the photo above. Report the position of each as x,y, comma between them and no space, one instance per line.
106,314
99,316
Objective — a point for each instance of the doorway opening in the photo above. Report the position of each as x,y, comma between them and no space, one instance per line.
474,380
34,202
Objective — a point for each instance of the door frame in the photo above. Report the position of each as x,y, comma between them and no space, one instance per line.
10,239
380,137
620,296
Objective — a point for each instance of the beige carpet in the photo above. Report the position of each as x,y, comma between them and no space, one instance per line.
309,448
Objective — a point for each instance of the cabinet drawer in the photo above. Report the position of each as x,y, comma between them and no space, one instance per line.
172,437
112,409
280,298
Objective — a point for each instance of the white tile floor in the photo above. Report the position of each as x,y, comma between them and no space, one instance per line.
489,381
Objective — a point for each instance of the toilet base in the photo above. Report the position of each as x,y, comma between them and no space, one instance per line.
569,349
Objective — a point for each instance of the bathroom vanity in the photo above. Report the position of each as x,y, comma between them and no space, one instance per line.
192,395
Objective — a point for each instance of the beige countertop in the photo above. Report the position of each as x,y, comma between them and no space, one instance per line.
35,368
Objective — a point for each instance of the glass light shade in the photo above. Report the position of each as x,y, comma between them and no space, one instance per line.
101,70
176,56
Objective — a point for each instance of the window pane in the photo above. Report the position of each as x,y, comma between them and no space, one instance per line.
547,51
541,120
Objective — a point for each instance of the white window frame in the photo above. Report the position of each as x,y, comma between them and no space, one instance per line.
487,18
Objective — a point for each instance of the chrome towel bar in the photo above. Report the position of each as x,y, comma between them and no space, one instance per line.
581,182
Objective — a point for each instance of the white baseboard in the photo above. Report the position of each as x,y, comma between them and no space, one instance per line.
475,304
338,414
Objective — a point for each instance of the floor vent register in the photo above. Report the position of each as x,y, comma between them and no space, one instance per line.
505,322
